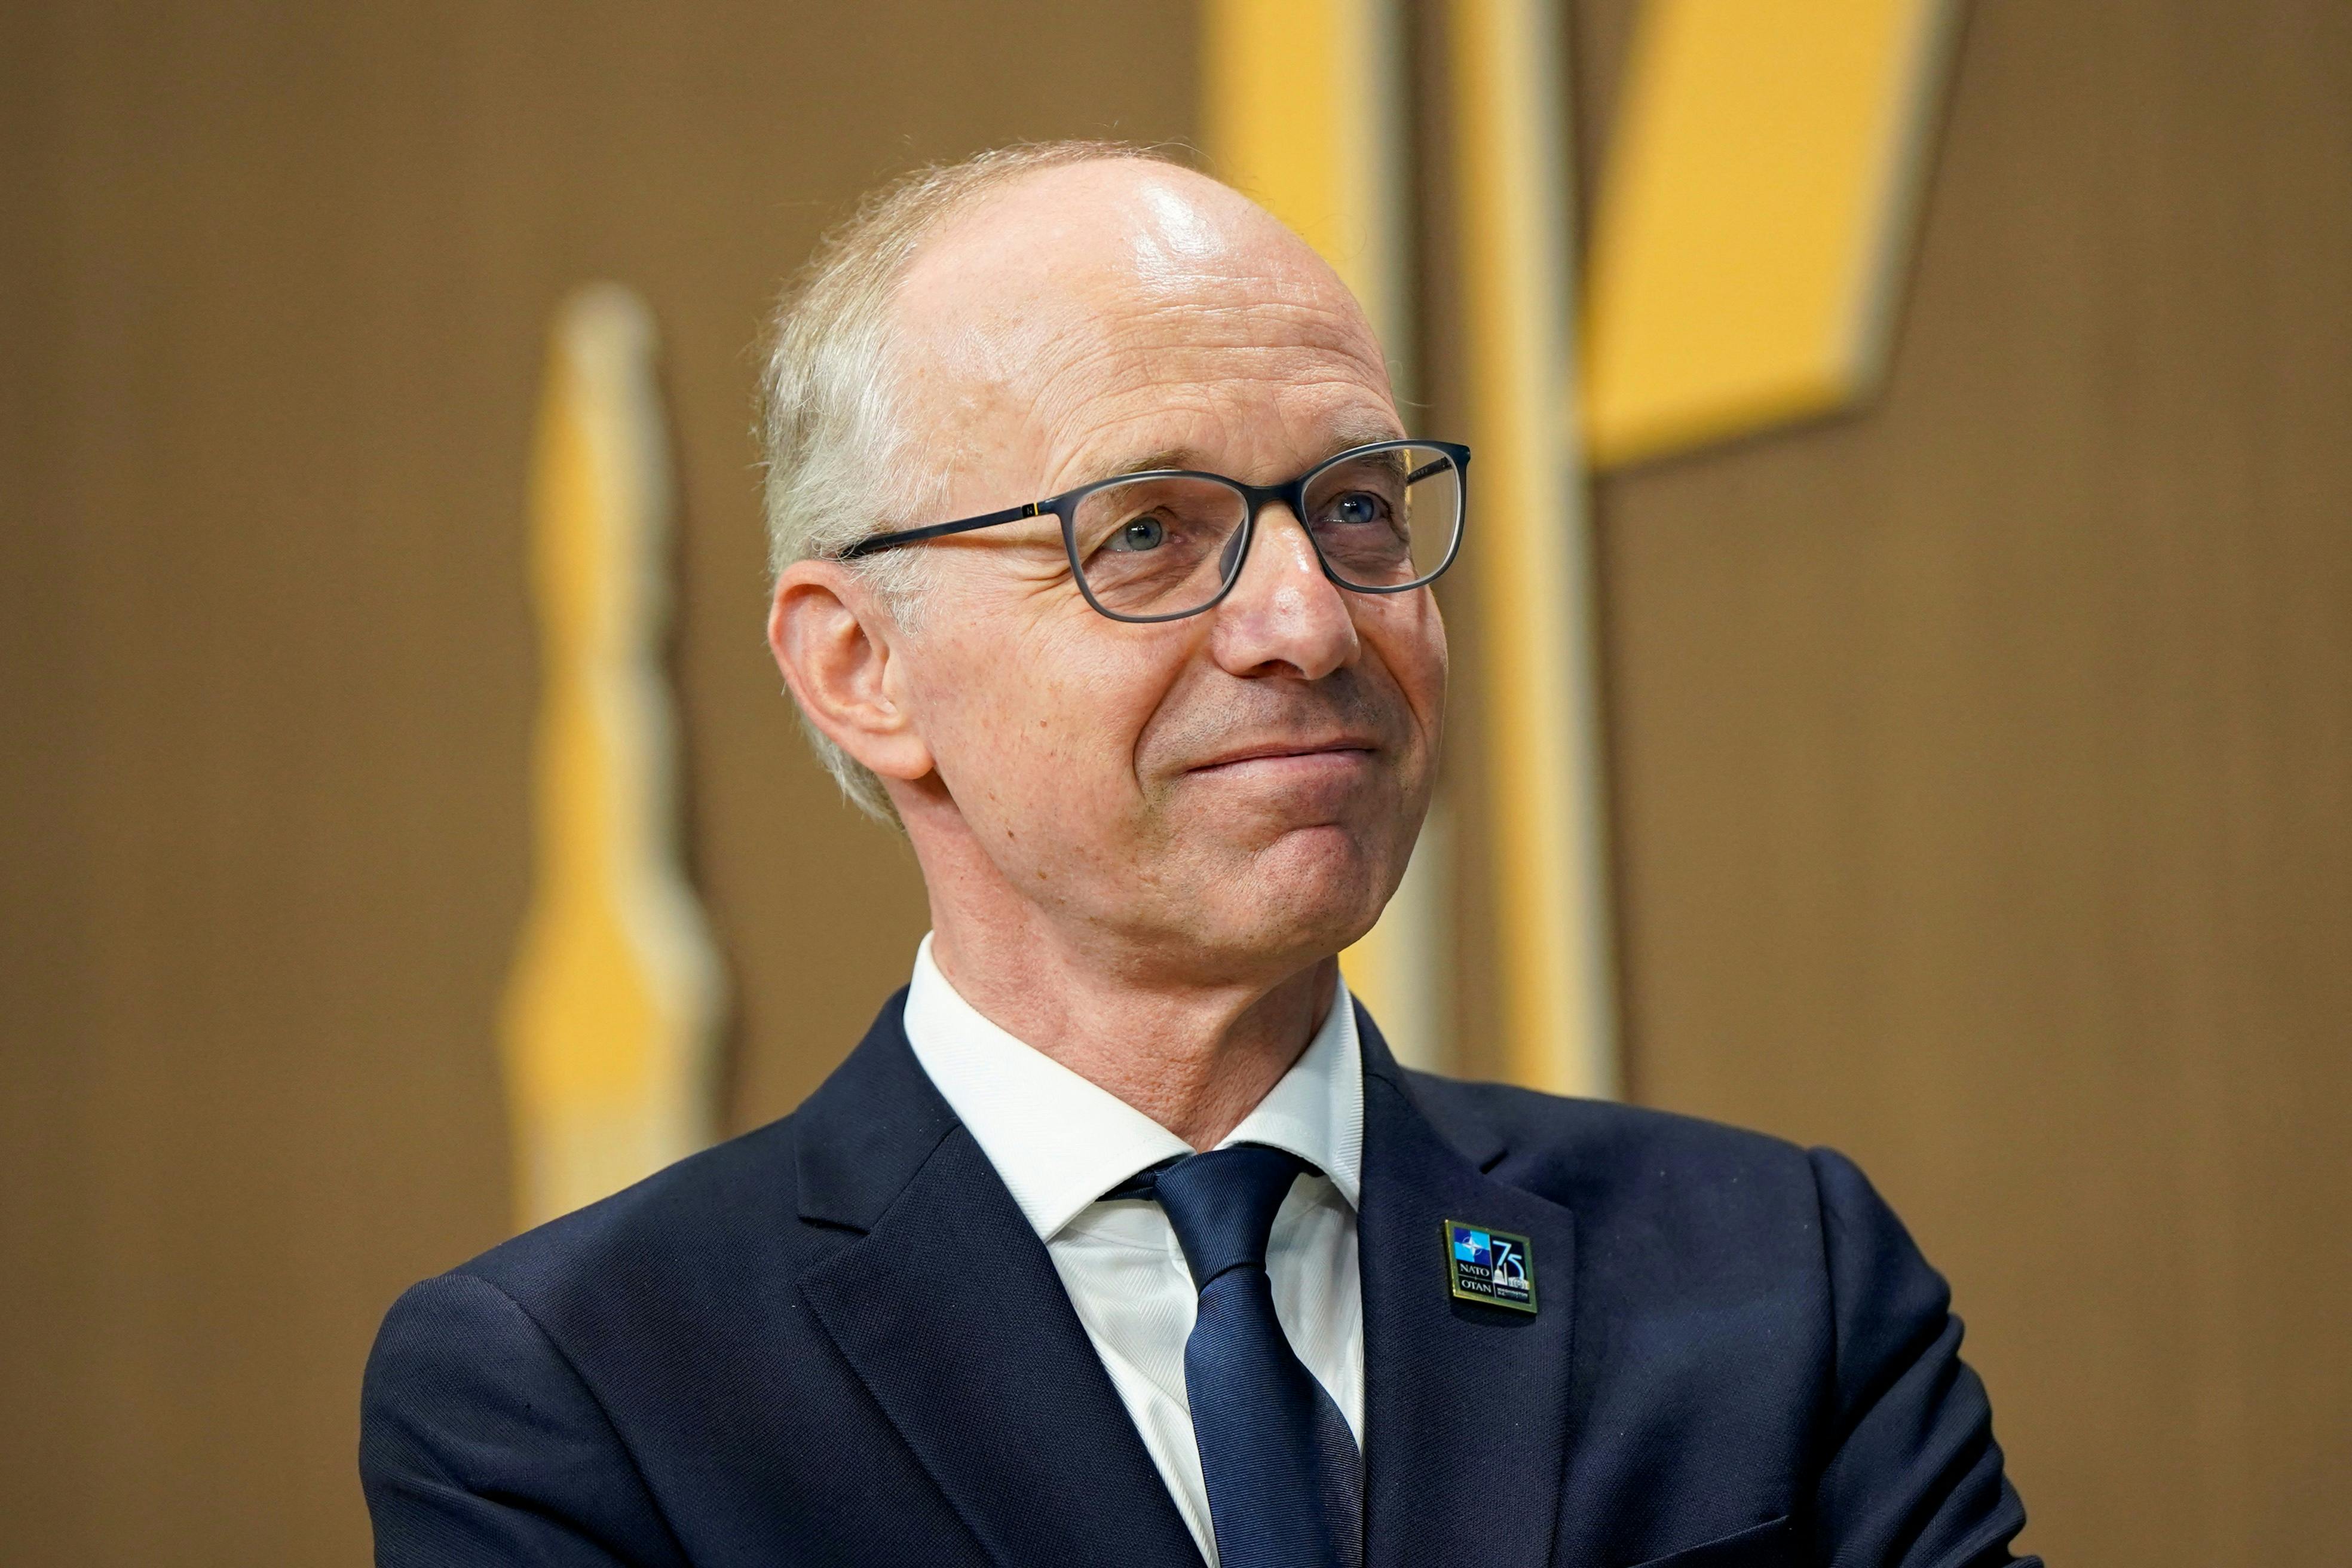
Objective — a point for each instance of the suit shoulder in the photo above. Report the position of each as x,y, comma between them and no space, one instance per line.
696,1214
1599,1156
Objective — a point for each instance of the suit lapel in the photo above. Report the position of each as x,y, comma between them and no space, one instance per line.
1465,1404
953,1317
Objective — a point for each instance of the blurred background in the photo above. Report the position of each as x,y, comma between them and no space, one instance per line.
1974,752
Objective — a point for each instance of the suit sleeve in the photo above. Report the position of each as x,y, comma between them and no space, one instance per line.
1913,1476
479,1444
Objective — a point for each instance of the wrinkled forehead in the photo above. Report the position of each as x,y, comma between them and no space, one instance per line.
1124,295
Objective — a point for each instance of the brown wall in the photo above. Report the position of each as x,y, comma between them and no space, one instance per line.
1981,762
272,284
1983,767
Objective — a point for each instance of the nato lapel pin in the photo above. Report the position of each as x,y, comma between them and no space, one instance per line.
1490,1266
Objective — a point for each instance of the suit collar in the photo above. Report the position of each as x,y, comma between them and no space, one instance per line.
1466,1406
1481,1144
868,1128
1060,1141
951,1314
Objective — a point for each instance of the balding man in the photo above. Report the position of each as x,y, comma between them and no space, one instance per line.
1102,562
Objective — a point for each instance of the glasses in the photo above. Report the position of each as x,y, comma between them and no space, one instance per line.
1157,546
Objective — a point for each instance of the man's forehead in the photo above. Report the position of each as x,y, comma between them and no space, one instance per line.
1148,220
1065,261
1339,433
1101,315
1260,416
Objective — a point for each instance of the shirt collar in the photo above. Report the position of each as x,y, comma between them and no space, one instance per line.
1060,1141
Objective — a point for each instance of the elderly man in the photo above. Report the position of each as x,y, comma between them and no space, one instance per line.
1103,560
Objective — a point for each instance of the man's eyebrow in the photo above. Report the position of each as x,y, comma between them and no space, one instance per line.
1190,458
1152,462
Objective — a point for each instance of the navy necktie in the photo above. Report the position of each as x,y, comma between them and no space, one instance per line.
1285,1477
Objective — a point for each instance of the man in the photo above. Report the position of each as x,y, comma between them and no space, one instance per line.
1103,556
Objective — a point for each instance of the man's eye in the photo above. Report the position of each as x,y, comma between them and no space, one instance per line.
1137,534
1358,506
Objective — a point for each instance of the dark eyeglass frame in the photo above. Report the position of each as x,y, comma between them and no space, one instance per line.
1292,494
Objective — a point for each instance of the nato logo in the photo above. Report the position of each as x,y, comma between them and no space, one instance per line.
1490,1266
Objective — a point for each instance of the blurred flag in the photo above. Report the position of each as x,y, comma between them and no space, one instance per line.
1529,544
1755,214
610,1029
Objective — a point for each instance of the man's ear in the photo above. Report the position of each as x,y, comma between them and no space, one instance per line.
834,642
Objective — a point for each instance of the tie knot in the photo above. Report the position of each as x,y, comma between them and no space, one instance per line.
1222,1205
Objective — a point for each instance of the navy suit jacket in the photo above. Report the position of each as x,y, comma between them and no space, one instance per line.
837,1340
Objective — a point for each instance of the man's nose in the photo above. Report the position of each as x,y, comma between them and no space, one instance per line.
1284,611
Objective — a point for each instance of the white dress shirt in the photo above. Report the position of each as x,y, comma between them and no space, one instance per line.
1060,1142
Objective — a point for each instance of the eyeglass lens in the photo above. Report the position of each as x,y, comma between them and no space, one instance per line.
1167,546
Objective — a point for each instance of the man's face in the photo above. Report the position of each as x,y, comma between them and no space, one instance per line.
1233,791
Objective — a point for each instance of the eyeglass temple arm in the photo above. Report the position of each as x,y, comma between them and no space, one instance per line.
941,530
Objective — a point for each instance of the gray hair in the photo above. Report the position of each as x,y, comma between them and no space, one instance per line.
839,461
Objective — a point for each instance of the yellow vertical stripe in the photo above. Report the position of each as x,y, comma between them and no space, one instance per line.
1528,546
609,1028
1307,111
1753,214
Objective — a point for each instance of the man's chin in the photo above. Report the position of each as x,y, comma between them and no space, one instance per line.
1314,888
